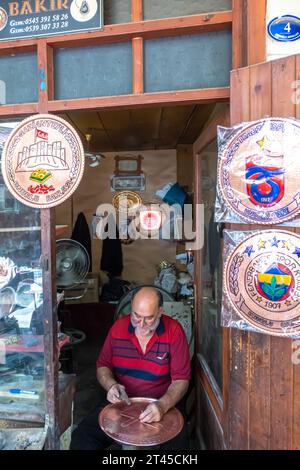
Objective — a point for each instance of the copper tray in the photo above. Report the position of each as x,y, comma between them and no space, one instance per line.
121,422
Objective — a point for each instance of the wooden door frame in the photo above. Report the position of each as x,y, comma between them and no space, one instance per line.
222,118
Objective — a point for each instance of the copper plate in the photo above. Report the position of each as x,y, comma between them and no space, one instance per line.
121,422
259,171
124,201
43,161
262,281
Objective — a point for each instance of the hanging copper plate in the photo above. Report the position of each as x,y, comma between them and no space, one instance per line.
259,171
124,201
42,161
121,422
262,281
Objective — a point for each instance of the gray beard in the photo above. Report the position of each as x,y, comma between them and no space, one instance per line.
150,329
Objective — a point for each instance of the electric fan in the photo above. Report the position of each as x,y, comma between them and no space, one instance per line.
72,264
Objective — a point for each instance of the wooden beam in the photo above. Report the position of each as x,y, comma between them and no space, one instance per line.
210,132
17,47
218,21
45,75
206,95
137,10
239,34
137,50
256,31
137,66
46,92
18,110
50,326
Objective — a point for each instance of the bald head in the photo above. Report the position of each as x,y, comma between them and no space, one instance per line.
148,295
146,310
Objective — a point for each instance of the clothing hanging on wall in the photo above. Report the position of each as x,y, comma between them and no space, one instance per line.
112,257
81,234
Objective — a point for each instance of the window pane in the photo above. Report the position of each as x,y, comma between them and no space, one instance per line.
211,331
21,311
155,9
93,71
117,11
18,79
187,62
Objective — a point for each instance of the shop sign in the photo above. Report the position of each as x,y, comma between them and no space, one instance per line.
43,161
259,171
35,18
284,28
262,281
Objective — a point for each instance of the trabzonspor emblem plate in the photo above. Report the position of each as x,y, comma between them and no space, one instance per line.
43,161
262,281
259,171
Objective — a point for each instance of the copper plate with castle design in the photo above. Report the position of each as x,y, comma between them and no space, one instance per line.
262,281
121,422
259,171
43,161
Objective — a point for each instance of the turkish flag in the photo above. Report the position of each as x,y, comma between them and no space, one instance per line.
41,134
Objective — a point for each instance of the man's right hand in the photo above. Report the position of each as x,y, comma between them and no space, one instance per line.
117,393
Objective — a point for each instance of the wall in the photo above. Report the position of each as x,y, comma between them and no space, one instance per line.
275,8
141,257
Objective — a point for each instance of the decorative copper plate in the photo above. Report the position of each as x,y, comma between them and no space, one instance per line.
259,171
121,422
262,281
124,201
43,161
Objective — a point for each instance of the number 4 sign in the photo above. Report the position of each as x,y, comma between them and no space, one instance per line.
285,28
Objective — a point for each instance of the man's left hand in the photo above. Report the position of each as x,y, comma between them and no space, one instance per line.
152,413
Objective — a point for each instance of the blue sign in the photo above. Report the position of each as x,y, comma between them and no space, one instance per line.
21,19
285,28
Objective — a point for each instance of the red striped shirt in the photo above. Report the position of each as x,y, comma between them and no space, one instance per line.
146,374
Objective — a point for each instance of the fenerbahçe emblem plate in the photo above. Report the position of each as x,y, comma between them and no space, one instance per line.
262,281
43,161
259,171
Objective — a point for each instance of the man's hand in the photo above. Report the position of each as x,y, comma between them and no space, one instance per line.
152,413
117,393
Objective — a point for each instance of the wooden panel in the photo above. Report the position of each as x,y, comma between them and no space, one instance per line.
259,392
283,71
260,91
240,107
281,367
259,377
238,386
264,413
236,408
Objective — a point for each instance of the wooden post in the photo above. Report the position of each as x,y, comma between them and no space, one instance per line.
137,51
46,87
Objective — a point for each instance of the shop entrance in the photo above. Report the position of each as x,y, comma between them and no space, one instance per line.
162,139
